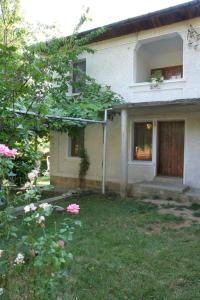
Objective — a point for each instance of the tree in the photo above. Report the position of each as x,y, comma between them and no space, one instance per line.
35,76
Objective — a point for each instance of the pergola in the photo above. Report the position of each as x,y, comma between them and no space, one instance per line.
77,120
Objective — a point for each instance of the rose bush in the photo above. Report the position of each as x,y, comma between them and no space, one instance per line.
34,257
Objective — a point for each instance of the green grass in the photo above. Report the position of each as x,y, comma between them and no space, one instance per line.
115,257
43,180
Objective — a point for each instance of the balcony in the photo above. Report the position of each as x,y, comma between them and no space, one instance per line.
159,67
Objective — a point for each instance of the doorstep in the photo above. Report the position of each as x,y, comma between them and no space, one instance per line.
163,189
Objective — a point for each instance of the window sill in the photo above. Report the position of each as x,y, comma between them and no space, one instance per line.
73,158
140,162
165,84
165,81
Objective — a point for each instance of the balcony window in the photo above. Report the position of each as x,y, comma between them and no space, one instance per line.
168,73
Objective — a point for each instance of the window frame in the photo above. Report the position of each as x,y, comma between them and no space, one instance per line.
69,146
163,71
77,90
132,143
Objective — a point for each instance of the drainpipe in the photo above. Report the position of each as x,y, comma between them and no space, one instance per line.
104,149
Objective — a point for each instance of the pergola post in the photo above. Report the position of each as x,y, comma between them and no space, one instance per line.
124,153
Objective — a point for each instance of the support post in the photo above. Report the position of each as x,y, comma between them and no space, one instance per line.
124,153
104,151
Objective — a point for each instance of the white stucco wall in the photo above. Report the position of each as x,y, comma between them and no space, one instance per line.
192,157
64,166
115,62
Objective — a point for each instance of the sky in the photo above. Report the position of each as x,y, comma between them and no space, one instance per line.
66,13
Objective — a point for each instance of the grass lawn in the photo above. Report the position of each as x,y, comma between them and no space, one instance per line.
43,180
117,257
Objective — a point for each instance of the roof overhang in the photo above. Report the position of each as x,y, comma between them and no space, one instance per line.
174,14
158,104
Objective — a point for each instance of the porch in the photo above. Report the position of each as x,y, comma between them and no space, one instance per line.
171,150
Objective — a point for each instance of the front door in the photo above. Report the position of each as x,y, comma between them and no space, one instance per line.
170,148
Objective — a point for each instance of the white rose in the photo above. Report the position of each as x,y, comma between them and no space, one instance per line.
41,219
27,208
33,207
45,206
19,259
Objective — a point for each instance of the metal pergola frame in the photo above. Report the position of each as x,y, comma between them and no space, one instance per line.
78,120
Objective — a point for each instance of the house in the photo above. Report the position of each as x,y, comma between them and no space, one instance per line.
153,61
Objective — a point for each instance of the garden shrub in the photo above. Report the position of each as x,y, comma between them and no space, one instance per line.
34,260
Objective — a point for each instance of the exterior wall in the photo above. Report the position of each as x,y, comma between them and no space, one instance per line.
192,157
114,63
65,167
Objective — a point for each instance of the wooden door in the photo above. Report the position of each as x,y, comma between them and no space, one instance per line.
170,148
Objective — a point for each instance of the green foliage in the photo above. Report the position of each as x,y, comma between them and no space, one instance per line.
34,261
35,76
43,270
84,164
24,161
93,99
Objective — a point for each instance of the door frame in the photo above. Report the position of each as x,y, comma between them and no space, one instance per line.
157,145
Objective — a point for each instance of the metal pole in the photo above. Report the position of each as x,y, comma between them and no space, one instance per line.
31,113
104,151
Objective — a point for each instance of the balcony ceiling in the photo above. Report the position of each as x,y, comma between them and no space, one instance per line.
164,45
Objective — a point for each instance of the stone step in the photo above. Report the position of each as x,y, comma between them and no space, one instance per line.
162,190
168,179
176,187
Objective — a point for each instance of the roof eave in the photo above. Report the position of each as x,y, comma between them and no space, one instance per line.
167,16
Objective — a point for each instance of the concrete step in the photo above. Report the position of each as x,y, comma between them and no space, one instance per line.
160,189
176,187
168,179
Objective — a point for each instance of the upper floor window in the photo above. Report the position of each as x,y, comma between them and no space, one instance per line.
142,148
168,73
76,143
79,71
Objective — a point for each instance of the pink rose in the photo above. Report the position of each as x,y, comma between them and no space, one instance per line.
7,152
73,208
62,243
3,149
10,153
13,152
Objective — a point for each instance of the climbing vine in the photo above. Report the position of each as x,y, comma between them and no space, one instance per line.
84,166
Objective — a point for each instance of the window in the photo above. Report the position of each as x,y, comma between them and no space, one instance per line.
79,71
168,73
142,149
76,143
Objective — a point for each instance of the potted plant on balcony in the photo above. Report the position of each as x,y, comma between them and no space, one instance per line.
156,79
